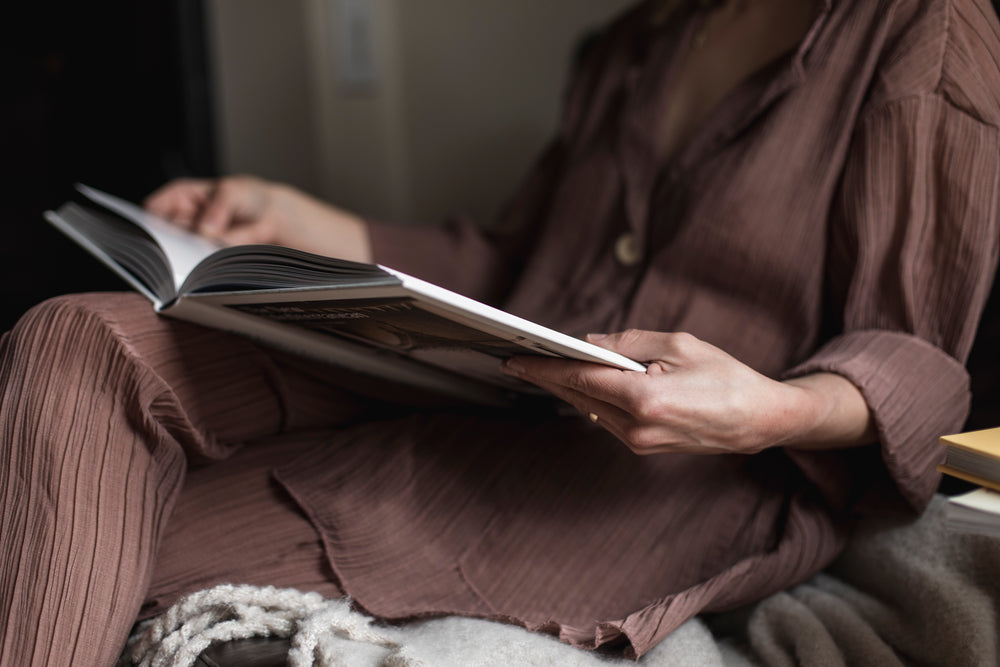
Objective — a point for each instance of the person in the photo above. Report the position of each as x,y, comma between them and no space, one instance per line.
787,208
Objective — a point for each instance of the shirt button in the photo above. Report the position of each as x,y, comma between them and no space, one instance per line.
627,250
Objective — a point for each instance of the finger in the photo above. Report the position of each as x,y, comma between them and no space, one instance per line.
178,200
219,210
184,212
583,403
649,346
641,438
608,416
581,375
612,417
622,389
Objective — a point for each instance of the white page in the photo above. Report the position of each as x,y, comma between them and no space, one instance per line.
183,249
69,230
983,500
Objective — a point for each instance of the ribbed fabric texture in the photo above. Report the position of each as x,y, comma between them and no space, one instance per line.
103,407
838,205
837,212
84,498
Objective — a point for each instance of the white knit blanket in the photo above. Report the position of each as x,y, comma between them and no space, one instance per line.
330,633
902,593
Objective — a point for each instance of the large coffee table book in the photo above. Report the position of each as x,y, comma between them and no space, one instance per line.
368,318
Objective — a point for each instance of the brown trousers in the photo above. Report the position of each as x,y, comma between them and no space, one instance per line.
113,422
110,419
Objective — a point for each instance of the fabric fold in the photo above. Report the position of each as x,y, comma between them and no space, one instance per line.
914,391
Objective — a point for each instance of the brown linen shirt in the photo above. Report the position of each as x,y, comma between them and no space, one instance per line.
838,211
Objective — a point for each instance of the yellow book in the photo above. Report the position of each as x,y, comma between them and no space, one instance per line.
973,456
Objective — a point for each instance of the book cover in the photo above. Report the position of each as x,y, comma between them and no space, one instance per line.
973,456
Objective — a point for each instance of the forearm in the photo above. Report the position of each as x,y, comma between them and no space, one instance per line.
315,226
829,412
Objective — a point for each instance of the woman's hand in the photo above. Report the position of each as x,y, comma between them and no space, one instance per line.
694,398
241,210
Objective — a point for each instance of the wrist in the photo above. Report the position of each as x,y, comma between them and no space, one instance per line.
284,211
810,410
309,224
830,413
791,414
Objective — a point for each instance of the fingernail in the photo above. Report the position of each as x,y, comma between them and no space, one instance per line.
512,367
596,336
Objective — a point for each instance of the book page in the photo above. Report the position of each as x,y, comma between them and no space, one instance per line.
414,319
313,342
183,249
397,320
981,500
974,512
146,273
399,325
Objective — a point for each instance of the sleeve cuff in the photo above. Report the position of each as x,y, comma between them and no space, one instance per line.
916,393
402,246
456,256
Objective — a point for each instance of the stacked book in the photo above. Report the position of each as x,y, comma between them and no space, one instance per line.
974,457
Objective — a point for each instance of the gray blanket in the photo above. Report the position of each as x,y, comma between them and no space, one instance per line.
904,593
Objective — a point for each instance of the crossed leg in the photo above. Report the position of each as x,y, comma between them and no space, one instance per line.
104,406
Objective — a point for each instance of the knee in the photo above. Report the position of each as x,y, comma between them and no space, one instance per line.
59,347
55,332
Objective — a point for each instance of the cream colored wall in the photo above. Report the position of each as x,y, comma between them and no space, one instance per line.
466,94
482,84
264,113
363,159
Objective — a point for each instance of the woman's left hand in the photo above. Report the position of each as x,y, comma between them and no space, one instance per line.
696,399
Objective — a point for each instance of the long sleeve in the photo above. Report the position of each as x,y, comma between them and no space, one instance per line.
913,253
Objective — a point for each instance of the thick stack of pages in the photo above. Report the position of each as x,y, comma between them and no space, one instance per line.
975,457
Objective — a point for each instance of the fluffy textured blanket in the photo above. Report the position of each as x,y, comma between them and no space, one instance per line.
903,593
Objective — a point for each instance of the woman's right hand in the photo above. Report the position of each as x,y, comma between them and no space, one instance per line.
239,210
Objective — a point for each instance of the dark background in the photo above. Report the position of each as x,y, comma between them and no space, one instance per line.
114,94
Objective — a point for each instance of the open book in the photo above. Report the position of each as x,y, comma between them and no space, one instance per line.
368,318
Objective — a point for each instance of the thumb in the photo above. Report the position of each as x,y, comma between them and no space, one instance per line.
644,346
217,214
